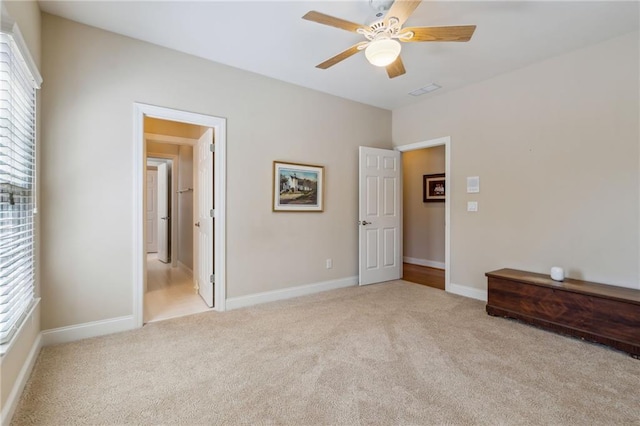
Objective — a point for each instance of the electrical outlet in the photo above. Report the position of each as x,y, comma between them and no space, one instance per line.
329,263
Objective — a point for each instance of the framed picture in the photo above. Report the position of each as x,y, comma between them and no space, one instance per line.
433,188
297,187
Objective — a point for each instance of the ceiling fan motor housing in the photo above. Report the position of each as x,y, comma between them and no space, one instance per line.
380,6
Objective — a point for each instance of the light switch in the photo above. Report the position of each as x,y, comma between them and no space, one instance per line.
472,206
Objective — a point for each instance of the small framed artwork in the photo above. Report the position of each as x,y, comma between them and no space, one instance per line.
433,188
297,187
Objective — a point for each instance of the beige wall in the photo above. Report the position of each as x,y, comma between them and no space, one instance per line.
14,360
27,15
88,112
423,223
556,146
185,206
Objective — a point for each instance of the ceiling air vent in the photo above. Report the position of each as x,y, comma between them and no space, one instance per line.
426,89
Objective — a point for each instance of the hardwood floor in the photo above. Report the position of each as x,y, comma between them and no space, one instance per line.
423,275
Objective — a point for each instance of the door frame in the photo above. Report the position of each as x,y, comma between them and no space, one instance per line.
175,213
446,141
219,124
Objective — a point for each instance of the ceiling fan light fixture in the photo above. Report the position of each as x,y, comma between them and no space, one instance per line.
382,52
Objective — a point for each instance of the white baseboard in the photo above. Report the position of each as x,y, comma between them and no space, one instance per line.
423,262
13,398
288,293
86,330
185,268
465,291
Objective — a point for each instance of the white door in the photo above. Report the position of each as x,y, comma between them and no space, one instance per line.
380,212
163,213
204,213
152,211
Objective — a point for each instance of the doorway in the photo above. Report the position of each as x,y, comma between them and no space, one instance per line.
210,200
159,201
380,212
430,270
170,289
423,220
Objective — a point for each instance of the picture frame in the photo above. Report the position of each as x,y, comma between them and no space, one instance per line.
297,187
434,188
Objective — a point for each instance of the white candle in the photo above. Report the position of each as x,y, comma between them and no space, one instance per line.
557,273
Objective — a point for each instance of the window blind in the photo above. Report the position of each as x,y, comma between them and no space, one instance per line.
17,186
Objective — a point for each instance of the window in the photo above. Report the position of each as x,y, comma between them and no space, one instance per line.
17,181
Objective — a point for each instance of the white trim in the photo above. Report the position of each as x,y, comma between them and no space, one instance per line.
446,141
288,293
174,140
14,397
424,144
28,316
138,234
185,268
465,291
219,125
175,211
9,26
72,333
424,262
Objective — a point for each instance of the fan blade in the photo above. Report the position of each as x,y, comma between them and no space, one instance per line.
340,56
321,18
460,33
401,9
396,68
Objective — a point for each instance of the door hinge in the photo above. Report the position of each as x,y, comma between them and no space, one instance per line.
211,278
212,213
211,148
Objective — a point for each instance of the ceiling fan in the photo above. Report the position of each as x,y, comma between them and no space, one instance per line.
382,47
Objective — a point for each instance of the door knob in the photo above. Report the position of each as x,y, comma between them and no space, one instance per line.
197,224
165,218
364,222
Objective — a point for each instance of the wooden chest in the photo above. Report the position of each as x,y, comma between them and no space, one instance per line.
600,313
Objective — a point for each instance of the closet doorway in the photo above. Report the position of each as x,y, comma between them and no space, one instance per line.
206,222
171,290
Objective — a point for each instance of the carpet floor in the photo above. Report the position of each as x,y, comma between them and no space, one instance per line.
393,353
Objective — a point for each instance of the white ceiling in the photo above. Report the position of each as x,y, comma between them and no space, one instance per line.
270,38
